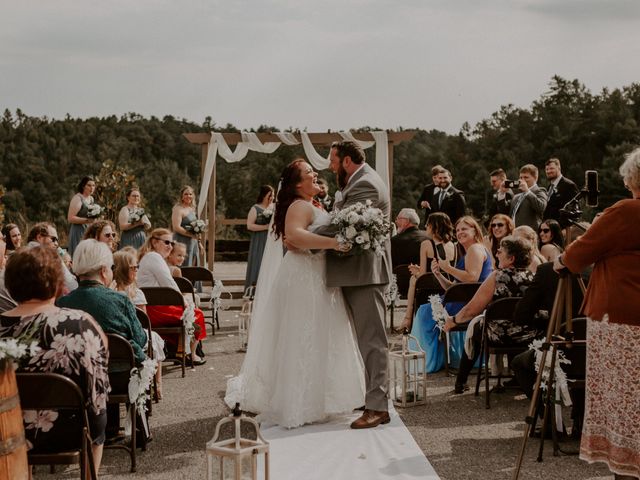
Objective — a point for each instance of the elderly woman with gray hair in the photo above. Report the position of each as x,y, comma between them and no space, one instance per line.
611,431
510,280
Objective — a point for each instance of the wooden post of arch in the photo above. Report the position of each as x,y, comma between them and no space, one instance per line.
317,139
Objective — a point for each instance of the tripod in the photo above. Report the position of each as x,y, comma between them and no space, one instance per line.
562,309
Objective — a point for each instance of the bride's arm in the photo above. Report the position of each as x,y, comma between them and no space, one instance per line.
299,217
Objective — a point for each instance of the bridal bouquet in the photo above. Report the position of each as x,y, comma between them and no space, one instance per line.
94,210
197,226
136,215
363,227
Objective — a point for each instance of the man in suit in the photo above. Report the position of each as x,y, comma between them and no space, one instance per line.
405,246
501,198
363,278
425,201
323,196
528,206
560,191
448,199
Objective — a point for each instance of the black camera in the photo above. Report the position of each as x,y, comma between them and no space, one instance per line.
511,183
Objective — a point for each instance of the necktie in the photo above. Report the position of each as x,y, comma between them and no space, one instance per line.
440,198
552,190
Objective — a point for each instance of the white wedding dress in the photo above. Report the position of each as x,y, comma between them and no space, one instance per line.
302,363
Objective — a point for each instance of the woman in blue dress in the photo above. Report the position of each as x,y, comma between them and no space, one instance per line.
182,215
78,214
133,228
258,220
474,266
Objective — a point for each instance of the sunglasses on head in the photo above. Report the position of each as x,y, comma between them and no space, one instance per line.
495,225
545,230
166,242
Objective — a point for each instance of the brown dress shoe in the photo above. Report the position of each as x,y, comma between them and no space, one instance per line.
370,419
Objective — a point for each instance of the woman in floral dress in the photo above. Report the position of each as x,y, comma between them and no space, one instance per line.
70,343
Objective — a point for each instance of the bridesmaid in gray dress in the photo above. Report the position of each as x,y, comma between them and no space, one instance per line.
132,232
183,213
78,212
258,220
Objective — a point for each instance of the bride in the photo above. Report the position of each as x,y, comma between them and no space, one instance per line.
302,363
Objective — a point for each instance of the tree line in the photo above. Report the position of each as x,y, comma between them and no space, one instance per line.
43,159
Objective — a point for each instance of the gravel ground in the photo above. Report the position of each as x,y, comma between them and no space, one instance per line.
461,439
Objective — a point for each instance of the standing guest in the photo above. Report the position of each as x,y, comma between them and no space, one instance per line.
528,206
154,272
425,202
611,431
104,231
560,191
529,235
71,344
405,245
551,239
258,220
502,196
182,215
176,259
12,236
78,214
448,199
323,196
500,226
45,234
133,221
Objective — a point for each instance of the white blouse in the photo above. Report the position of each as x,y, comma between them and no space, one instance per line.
154,272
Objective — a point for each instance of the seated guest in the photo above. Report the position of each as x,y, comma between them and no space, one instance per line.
473,266
34,278
440,233
154,272
176,259
93,262
551,239
45,234
405,246
510,280
500,226
12,236
527,233
104,231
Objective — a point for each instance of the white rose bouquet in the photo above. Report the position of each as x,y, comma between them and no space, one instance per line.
94,210
267,212
197,226
362,227
136,215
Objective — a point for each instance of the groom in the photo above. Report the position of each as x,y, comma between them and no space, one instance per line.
363,278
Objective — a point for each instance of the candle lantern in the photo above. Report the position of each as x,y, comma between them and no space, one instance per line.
407,373
229,458
244,318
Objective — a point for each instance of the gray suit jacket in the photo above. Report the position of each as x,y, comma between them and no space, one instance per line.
528,210
367,268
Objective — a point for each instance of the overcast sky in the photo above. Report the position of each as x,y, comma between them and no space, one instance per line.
315,64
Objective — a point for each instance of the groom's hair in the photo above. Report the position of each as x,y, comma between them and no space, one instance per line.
347,148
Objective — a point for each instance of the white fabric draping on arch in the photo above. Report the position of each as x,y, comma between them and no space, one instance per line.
250,141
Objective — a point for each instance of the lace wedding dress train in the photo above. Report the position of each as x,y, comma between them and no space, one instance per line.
302,363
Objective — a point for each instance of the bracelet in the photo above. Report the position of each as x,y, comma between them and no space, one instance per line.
454,320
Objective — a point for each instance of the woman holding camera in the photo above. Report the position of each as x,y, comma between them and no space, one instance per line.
611,432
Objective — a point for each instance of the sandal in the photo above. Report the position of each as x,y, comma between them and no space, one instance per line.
196,361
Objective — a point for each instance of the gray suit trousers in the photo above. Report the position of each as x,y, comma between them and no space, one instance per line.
368,302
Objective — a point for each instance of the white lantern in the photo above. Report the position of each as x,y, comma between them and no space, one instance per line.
244,323
236,452
407,373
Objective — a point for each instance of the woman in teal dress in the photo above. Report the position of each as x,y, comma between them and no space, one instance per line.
258,220
132,229
474,266
183,214
78,214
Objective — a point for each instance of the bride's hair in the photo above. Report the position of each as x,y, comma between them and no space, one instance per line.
287,194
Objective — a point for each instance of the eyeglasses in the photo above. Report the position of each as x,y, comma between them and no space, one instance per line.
166,242
545,230
53,239
496,225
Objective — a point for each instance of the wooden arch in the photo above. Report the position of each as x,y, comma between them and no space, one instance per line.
317,139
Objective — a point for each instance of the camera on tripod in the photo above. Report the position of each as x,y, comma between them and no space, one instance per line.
571,211
511,183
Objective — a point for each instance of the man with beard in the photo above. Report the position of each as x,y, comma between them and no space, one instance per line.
560,191
323,196
448,199
425,202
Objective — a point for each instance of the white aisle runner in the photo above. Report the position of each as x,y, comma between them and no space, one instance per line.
334,451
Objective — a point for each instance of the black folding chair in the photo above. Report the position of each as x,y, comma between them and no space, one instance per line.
462,293
403,275
205,276
51,391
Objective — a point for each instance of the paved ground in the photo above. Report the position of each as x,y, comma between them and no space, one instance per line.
461,439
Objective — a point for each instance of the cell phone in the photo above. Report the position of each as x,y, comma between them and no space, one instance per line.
440,252
511,183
